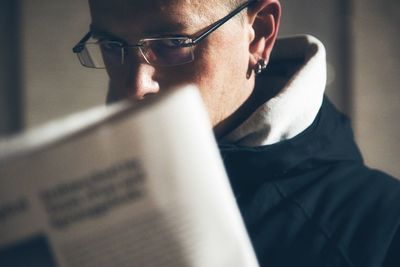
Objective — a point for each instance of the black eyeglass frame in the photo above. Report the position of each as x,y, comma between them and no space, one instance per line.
78,48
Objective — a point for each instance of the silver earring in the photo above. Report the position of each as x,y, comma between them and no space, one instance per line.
260,66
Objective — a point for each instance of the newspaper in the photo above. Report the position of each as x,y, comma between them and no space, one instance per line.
125,185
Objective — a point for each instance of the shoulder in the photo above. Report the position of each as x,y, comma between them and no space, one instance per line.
357,209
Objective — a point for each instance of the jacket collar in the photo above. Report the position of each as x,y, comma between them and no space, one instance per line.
297,72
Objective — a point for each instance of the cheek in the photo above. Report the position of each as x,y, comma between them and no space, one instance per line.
224,71
117,80
172,77
200,72
221,65
116,75
210,79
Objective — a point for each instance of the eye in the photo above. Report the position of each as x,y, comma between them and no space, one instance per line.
174,42
110,45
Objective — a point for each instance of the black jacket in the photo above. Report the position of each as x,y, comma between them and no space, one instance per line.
310,201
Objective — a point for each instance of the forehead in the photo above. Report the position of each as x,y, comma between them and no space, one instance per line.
149,16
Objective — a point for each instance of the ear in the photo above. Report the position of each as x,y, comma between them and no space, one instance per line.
264,18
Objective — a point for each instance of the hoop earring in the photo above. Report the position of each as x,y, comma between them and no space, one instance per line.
260,66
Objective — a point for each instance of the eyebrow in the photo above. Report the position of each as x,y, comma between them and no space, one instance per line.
167,29
176,30
97,32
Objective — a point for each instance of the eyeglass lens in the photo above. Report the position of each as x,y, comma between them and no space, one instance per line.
167,52
160,52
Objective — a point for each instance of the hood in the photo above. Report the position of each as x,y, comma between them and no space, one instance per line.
312,133
297,72
328,140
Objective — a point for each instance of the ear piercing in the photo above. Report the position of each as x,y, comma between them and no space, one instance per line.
260,66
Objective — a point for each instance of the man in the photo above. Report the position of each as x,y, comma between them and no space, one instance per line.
299,180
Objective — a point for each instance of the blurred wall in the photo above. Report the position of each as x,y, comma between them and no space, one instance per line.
363,52
55,82
363,70
327,20
376,107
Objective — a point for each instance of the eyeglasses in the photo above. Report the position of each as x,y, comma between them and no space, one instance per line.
164,51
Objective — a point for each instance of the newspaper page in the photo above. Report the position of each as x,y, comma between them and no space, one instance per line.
126,185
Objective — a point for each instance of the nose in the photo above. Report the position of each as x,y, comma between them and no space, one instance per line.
141,81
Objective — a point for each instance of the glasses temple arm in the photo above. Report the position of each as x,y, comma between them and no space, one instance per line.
223,20
79,46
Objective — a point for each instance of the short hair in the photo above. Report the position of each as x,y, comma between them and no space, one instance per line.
233,3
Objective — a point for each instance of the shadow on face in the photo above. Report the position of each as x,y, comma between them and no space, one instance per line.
220,63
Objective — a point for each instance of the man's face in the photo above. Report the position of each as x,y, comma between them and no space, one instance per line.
221,60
